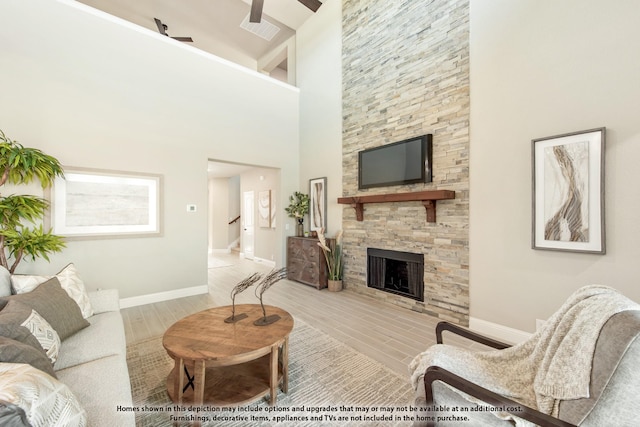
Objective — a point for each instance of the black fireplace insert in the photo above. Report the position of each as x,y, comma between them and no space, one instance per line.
396,272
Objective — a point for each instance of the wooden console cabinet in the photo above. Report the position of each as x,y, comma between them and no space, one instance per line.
305,262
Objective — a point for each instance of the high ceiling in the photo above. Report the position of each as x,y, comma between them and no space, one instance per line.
214,25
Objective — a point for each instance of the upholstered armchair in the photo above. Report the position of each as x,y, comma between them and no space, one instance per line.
460,387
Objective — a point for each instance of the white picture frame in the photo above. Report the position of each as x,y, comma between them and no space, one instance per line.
91,203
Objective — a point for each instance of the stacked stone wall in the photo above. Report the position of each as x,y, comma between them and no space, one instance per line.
406,74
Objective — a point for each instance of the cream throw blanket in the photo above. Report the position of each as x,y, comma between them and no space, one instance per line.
553,365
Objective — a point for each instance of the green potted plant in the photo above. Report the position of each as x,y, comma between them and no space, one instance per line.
332,250
298,208
22,165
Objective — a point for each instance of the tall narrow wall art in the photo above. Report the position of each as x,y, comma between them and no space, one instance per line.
317,204
264,209
568,192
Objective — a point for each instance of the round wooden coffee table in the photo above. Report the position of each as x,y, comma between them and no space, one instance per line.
228,363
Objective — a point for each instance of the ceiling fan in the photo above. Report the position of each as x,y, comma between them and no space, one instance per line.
162,28
256,8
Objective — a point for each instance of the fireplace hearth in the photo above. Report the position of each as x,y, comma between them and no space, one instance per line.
400,273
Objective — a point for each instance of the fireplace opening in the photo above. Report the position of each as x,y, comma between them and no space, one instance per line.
396,272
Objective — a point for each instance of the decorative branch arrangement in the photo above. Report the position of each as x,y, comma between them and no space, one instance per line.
332,254
239,288
268,281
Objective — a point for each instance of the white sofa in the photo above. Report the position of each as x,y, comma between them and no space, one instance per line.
85,348
93,364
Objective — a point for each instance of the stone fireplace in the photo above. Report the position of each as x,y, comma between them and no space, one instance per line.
405,73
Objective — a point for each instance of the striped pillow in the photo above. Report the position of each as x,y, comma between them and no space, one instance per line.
46,401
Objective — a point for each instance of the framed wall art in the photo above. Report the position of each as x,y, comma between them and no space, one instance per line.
89,203
273,209
317,204
568,192
264,209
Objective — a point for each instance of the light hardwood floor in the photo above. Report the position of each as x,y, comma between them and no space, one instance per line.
384,332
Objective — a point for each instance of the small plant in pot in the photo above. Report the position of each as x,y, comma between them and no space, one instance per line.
298,208
332,250
22,165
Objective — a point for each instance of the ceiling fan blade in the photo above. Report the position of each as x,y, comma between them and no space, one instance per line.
311,4
256,11
160,26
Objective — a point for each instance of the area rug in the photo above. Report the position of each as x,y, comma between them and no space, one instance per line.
330,384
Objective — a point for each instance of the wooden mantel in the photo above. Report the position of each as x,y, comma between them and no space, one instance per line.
428,199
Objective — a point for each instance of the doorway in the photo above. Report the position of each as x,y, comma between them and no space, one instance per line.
248,221
237,222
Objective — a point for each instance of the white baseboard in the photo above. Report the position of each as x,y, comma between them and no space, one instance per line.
163,296
267,262
495,330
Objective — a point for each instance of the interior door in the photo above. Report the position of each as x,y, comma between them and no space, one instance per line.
248,224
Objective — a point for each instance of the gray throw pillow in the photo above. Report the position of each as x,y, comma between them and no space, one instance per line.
12,351
5,282
17,332
12,415
17,313
54,305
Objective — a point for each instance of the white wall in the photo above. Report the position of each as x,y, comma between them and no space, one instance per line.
319,77
97,92
541,68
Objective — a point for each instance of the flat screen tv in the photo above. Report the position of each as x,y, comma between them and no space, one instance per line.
403,162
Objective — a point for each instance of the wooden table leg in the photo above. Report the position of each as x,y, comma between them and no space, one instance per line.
178,383
198,388
285,366
273,375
